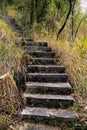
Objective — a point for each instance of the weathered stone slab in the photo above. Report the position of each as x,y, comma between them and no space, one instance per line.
46,68
50,101
32,43
49,88
37,48
57,115
43,61
42,54
47,77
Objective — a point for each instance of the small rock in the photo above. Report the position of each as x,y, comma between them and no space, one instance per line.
85,109
11,128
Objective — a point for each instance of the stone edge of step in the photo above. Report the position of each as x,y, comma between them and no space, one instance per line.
65,115
47,66
47,74
48,97
32,43
53,85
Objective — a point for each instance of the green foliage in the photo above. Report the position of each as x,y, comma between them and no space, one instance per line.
49,12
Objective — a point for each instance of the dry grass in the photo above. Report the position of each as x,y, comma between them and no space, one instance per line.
10,53
74,57
10,102
10,61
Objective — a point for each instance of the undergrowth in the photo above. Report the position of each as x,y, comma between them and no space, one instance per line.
10,62
11,11
10,53
73,55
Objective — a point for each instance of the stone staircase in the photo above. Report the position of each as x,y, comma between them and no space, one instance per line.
47,93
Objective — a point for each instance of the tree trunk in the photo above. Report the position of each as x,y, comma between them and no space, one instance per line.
78,27
73,5
32,12
42,12
68,14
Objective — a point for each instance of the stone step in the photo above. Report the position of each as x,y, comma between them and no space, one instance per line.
45,115
50,101
47,77
47,91
29,40
42,54
37,48
32,43
42,61
48,88
46,69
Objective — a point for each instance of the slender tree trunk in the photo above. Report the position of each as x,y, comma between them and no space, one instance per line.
33,16
73,5
32,13
64,24
3,5
78,27
42,12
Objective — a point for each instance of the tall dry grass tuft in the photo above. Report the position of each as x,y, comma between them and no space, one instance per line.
10,101
9,96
